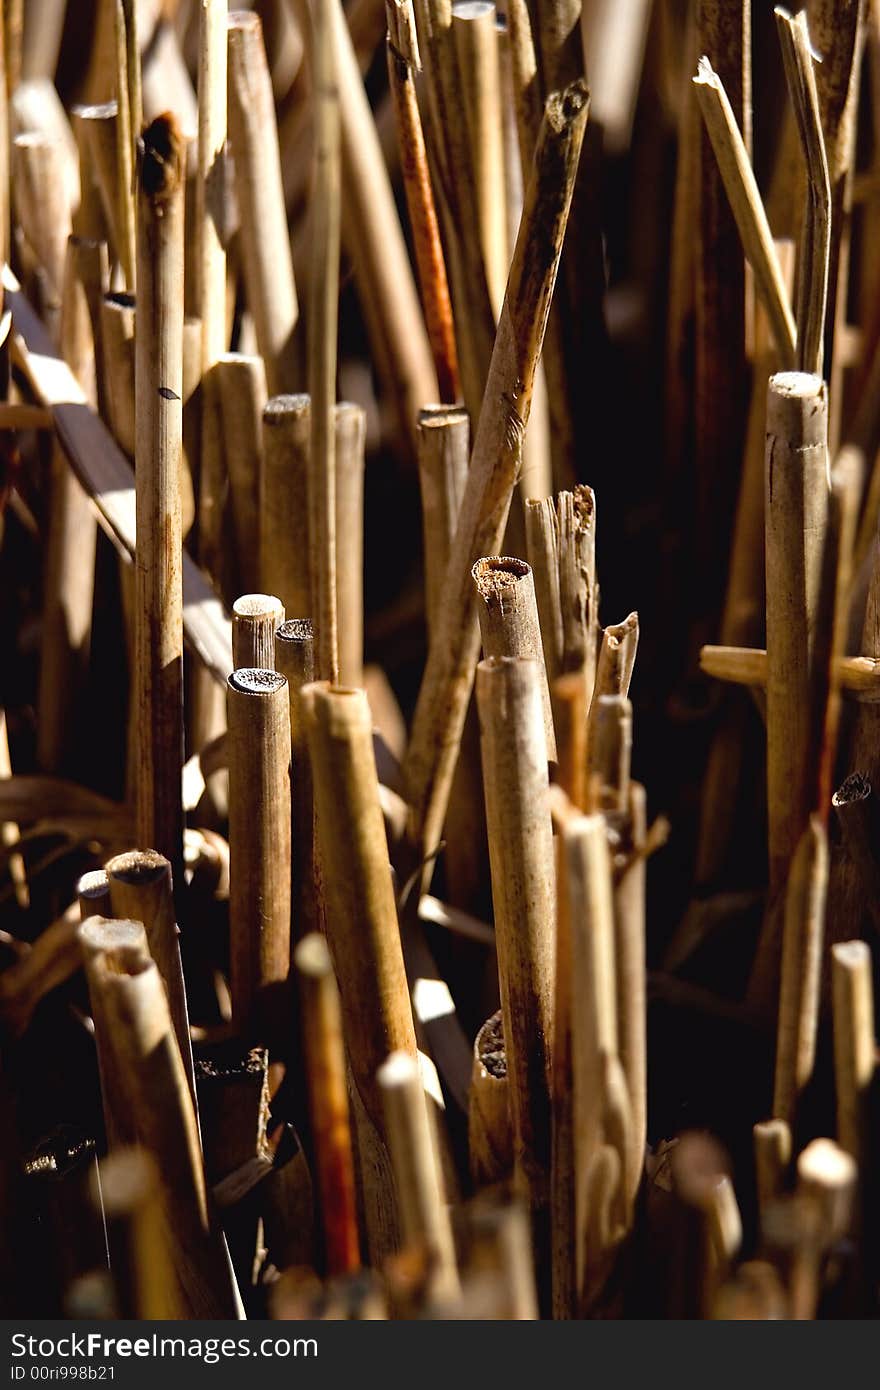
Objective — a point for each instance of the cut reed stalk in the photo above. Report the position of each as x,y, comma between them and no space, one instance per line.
328,1102
158,697
294,658
446,685
255,620
514,756
509,625
322,335
265,241
284,544
854,1046
476,44
424,1217
259,836
141,890
403,64
802,942
350,434
238,386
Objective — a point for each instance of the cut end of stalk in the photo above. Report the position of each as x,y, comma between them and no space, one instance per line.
851,955
119,299
295,630
797,385
243,20
565,107
496,575
705,76
253,680
280,409
312,956
161,156
96,111
399,1070
93,884
441,416
138,866
257,606
825,1164
108,934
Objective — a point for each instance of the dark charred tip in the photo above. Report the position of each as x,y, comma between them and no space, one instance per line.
161,151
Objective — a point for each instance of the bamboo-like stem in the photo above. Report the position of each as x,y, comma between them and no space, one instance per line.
117,367
323,328
569,700
815,248
265,241
362,926
294,658
797,497
446,685
328,1102
259,836
125,153
99,935
453,178
159,436
772,1143
284,544
138,1032
476,42
629,950
859,676
490,1137
609,751
96,128
210,230
542,547
509,621
403,64
443,440
350,431
592,987
238,387
141,890
443,437
748,209
837,32
854,1046
827,1176
803,935
424,1217
255,620
41,201
514,757
142,1255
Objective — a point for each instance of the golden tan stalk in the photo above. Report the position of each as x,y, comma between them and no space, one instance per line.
159,432
259,836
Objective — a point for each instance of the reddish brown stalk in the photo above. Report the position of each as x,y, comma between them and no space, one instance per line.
403,64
